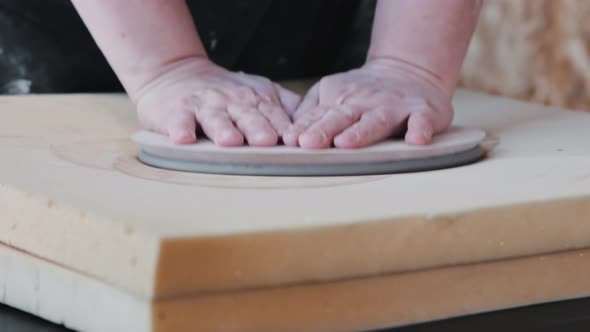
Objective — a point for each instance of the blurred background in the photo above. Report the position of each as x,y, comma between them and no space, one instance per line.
532,50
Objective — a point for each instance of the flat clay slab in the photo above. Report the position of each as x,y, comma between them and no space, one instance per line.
73,192
455,147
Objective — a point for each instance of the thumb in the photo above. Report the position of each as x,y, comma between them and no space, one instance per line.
310,101
289,99
182,127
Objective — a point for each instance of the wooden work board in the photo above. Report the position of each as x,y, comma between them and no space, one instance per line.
182,251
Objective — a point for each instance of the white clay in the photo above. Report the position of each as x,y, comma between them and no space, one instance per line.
455,139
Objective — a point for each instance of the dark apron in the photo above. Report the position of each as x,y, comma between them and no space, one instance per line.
44,46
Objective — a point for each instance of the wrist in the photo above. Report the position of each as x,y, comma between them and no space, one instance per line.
160,35
173,70
429,36
399,67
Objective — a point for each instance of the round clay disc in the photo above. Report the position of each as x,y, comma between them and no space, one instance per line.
455,147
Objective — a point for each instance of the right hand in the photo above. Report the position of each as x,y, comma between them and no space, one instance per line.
228,107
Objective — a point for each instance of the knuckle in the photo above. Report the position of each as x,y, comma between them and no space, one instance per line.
317,111
383,116
398,94
212,116
418,102
266,97
368,91
269,109
350,113
297,128
189,102
218,116
212,96
341,97
243,93
310,114
250,122
240,111
216,122
248,111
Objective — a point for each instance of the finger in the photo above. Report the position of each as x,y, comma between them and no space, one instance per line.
256,128
420,128
276,116
321,133
218,126
262,86
372,127
289,99
425,120
309,102
182,127
300,125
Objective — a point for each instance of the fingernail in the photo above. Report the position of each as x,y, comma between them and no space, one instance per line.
307,140
183,136
323,138
422,137
357,136
264,138
288,138
229,137
292,139
314,139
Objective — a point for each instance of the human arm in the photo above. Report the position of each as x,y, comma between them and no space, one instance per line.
154,48
413,63
428,37
141,38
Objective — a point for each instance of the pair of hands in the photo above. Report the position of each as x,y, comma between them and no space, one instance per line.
352,109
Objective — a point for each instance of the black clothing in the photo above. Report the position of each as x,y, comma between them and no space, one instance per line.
45,47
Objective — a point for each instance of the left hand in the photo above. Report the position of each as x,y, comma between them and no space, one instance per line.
363,106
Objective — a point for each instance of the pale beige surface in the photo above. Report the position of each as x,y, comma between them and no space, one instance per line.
73,193
88,305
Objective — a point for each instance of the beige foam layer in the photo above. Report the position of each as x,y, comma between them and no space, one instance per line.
88,305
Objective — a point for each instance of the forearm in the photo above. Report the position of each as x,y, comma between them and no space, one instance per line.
431,35
140,38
